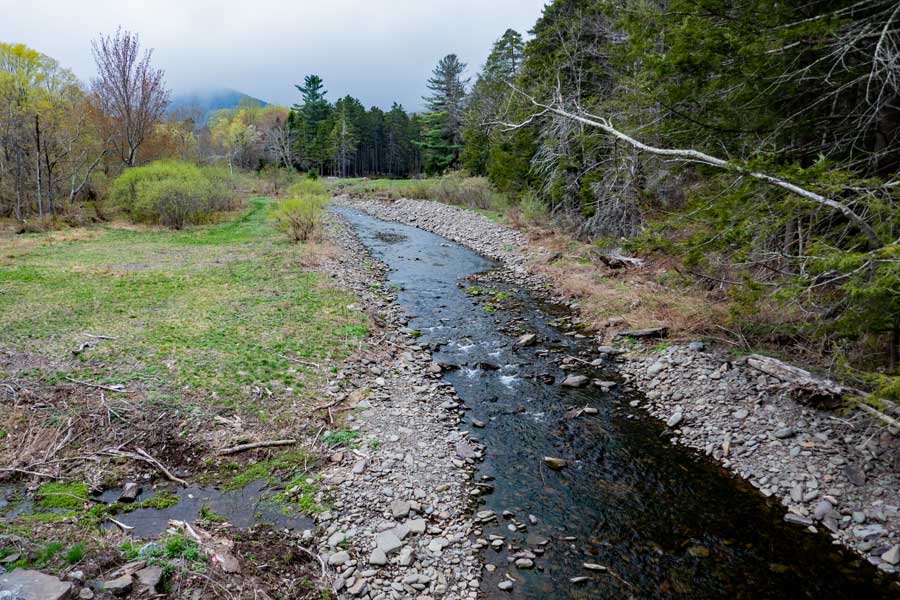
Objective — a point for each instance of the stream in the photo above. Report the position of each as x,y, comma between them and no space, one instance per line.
665,521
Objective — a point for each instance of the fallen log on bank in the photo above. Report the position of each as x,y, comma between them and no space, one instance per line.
807,388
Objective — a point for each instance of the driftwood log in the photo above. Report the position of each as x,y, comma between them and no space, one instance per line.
807,388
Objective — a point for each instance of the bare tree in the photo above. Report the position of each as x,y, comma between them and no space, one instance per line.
280,140
128,90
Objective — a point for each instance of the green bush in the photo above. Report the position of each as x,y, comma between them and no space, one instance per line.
534,210
311,187
301,216
173,193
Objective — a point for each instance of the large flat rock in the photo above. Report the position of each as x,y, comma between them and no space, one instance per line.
34,585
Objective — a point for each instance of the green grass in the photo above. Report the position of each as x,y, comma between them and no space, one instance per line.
75,553
342,437
62,495
217,309
267,470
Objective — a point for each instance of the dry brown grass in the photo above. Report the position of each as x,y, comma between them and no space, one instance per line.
616,299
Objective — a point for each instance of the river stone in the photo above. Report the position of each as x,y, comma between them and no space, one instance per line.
798,519
555,463
524,563
406,556
892,556
822,508
378,557
464,450
120,586
741,414
783,433
505,585
150,577
34,585
416,525
526,340
358,587
697,346
855,475
655,369
675,419
338,558
575,381
399,509
130,492
869,531
388,542
337,537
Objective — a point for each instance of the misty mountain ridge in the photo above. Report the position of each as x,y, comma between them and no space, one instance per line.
208,101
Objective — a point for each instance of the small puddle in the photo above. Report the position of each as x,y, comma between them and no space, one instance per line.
242,508
666,521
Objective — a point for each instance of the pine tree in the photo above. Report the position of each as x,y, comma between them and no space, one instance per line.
489,98
446,104
312,147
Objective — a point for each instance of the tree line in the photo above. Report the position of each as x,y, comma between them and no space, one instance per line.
62,141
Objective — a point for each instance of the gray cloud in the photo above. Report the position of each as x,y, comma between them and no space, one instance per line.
379,50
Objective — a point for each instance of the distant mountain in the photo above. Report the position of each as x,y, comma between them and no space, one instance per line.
206,103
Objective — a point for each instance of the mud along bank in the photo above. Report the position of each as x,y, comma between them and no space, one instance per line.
623,476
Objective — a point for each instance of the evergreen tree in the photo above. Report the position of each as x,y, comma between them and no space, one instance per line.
445,104
312,147
488,104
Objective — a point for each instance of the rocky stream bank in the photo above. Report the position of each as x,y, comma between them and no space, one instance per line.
838,472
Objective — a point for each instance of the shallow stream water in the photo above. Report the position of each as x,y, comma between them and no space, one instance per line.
664,520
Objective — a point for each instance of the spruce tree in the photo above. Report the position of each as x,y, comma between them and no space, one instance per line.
446,104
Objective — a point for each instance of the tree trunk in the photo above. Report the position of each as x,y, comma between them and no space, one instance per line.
18,183
48,167
895,346
37,164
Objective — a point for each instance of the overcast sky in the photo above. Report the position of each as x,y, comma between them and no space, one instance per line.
376,50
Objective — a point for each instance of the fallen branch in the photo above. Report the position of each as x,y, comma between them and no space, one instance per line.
307,363
142,455
605,125
161,467
251,446
27,472
803,383
120,525
117,388
101,336
878,415
84,346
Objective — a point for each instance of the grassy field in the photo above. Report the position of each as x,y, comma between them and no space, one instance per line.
211,337
210,312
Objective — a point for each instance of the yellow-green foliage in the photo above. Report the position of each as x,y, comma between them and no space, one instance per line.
300,215
173,193
312,187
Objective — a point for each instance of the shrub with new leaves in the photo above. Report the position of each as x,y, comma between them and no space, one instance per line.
300,215
173,193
